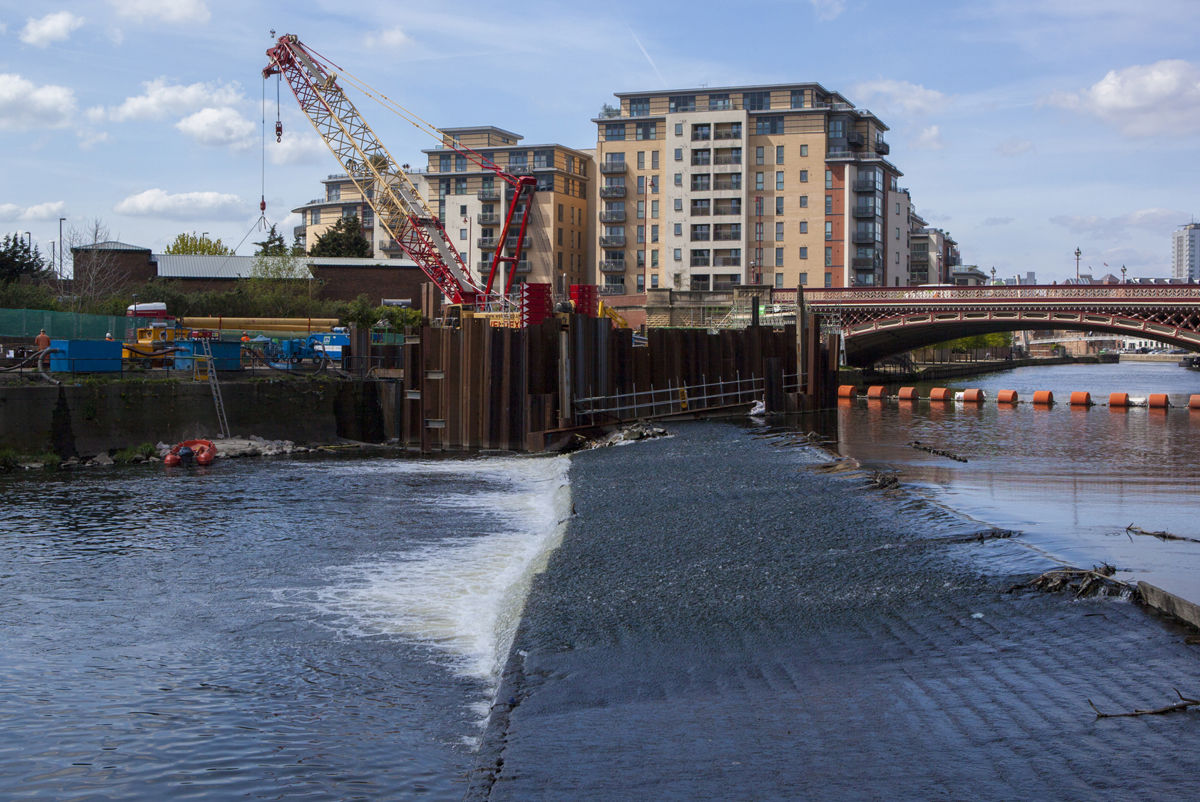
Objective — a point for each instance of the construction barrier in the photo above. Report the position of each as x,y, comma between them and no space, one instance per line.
877,391
847,391
1043,398
1081,398
1006,397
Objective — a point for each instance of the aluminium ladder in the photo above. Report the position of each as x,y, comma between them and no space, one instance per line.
205,368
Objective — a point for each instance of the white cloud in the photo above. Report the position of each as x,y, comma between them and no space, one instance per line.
929,139
42,211
898,97
997,221
1014,146
218,127
393,38
161,99
298,149
163,10
828,9
1156,220
183,205
51,28
25,106
1142,100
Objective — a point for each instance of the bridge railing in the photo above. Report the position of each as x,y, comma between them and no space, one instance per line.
1069,292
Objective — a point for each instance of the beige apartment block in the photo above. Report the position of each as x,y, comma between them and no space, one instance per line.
780,185
340,198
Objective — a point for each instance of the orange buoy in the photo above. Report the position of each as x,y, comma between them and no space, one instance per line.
1194,402
877,391
1006,397
1118,399
847,391
1043,398
1081,398
941,394
973,396
1158,401
908,394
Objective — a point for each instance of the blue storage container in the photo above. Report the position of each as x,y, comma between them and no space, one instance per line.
226,355
85,356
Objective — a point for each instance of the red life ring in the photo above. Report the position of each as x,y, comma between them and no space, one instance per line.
203,450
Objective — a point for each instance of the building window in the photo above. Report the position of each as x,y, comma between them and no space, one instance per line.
719,101
897,232
828,230
837,129
654,281
679,229
678,254
758,231
682,103
641,185
803,251
804,176
654,258
779,259
779,278
641,160
779,231
803,279
803,226
701,233
679,204
797,98
756,101
654,209
758,154
701,182
779,179
654,160
803,201
829,179
779,205
779,154
333,192
828,204
641,283
641,210
444,162
614,132
462,233
758,180
654,233
460,163
639,106
768,125
679,179
645,130
678,154
804,150
701,156
700,258
641,234
828,258
701,131
460,186
678,129
315,216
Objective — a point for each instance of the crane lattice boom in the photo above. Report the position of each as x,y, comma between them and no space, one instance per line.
398,207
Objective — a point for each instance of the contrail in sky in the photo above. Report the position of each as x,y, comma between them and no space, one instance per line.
642,48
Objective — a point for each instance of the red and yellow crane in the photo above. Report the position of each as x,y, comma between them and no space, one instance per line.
386,187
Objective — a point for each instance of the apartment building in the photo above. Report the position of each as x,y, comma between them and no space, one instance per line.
782,185
933,256
1185,253
472,201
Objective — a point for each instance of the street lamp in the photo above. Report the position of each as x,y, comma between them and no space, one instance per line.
60,253
1078,253
1122,274
993,274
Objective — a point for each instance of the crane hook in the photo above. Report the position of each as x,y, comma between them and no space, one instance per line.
278,130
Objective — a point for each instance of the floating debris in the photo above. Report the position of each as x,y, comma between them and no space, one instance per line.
883,480
627,434
941,452
978,537
1137,530
1178,707
837,466
1081,582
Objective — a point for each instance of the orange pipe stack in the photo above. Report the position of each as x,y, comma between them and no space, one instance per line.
847,391
877,392
941,394
1158,401
910,394
1081,398
973,396
1006,397
1118,399
1043,398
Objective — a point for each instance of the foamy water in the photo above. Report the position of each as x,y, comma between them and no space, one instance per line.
462,595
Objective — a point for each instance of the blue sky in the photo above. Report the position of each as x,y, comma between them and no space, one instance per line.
1026,128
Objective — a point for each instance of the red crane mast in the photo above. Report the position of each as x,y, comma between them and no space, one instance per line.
399,208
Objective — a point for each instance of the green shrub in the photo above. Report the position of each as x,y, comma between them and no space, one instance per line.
9,459
134,453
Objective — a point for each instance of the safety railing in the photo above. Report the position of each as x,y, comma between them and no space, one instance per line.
658,402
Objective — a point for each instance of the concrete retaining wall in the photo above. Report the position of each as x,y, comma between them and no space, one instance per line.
88,418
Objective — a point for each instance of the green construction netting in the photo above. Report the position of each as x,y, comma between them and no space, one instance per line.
66,325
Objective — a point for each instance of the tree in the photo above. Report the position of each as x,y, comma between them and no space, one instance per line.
97,272
280,284
18,260
273,245
199,244
297,246
343,238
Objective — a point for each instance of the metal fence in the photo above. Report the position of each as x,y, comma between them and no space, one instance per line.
26,323
660,402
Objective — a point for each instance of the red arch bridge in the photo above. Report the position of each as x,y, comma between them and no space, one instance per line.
879,322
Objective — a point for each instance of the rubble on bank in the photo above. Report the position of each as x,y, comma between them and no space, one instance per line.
626,435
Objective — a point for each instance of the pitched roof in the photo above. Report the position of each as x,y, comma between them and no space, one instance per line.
109,245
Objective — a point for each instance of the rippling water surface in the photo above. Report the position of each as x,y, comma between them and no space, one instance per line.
1070,478
325,629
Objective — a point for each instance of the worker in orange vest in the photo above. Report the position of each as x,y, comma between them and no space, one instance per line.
41,343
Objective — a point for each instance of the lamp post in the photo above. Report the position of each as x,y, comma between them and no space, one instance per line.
60,250
1122,274
1078,253
993,274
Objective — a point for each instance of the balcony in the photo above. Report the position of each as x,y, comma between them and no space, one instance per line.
864,212
856,140
727,261
864,185
863,262
863,238
612,217
612,192
520,169
522,267
488,219
484,267
609,266
883,148
727,236
487,243
488,194
727,159
613,241
612,168
612,289
726,136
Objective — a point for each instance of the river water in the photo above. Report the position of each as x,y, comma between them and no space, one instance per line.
1070,479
